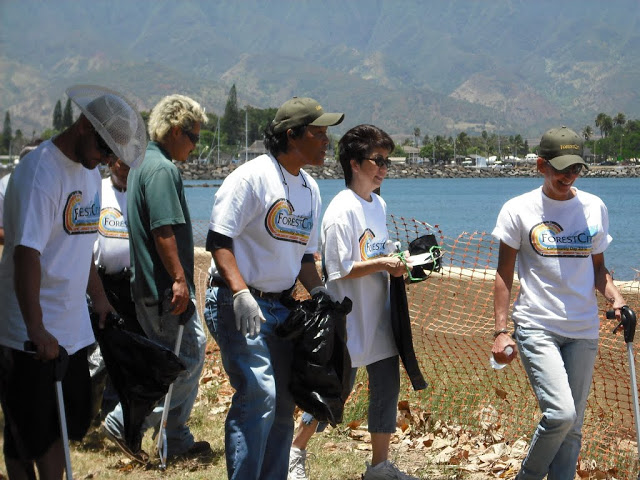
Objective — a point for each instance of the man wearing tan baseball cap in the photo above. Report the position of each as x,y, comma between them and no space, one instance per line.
263,235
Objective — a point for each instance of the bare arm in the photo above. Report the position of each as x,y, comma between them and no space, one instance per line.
604,284
309,276
391,264
95,290
165,242
27,286
228,269
501,298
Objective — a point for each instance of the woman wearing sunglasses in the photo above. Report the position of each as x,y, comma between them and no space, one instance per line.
357,265
558,234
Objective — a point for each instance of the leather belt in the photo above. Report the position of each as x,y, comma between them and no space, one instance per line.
218,282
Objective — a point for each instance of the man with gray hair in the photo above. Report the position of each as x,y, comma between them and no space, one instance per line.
52,212
162,262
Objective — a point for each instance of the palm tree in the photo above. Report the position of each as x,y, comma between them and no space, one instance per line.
600,120
587,133
416,135
620,119
607,126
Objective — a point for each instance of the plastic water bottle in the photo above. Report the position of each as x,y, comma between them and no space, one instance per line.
499,366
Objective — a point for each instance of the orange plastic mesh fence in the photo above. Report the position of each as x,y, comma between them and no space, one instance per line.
452,317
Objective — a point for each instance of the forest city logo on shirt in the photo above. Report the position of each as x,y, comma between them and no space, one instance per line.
283,224
370,248
549,240
112,224
78,217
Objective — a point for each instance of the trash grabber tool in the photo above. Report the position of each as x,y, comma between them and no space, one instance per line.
59,369
628,322
162,432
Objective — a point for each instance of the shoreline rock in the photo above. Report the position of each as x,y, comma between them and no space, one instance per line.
194,171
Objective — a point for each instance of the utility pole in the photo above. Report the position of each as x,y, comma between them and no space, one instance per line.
246,133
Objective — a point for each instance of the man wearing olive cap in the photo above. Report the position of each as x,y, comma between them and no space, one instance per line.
558,234
52,212
263,234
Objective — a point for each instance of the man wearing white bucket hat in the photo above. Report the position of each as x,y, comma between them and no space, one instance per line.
51,222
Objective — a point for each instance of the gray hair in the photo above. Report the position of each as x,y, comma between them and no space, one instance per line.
174,111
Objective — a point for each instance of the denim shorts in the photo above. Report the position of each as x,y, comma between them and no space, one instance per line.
384,388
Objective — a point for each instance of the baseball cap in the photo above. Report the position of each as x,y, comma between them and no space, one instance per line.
115,119
561,147
302,111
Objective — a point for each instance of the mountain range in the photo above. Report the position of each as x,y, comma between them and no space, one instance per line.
444,66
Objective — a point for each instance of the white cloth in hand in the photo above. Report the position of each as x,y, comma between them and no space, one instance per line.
247,313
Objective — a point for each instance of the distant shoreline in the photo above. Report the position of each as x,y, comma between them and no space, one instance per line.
193,171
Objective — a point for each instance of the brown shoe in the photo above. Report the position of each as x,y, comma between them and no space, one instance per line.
141,457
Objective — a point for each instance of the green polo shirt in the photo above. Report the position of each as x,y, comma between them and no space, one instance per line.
155,197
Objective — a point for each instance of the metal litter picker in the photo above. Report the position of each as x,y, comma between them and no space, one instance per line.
162,432
59,369
628,323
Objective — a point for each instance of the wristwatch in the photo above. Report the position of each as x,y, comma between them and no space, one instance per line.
498,332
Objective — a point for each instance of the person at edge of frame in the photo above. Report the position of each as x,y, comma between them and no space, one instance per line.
558,235
52,210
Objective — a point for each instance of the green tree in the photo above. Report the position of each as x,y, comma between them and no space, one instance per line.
601,122
607,126
6,133
67,115
620,119
232,124
57,116
587,133
416,136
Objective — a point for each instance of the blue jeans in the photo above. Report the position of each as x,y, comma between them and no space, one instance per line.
259,425
384,388
163,330
560,370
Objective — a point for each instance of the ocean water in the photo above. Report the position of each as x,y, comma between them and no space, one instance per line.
472,205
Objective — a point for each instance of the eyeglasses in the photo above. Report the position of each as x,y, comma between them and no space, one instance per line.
103,148
194,137
380,161
574,169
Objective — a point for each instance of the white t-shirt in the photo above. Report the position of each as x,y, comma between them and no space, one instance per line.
111,249
53,206
555,241
4,181
355,230
271,216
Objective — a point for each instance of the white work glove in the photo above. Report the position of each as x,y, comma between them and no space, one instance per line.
315,290
247,312
321,289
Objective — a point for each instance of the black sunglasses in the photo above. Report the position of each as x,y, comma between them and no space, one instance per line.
380,161
194,137
103,148
574,169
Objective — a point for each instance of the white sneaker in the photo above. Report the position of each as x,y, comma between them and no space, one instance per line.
297,464
385,471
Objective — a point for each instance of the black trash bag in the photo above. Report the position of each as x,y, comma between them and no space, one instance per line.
426,244
141,372
401,326
321,373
